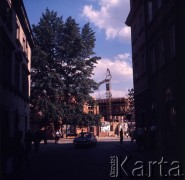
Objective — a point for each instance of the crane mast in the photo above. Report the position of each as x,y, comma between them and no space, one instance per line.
108,85
108,93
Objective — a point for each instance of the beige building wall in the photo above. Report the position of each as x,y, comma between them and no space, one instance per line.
16,42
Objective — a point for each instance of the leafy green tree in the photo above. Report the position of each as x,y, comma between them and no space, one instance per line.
62,65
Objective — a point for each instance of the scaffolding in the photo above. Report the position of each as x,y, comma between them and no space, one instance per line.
119,107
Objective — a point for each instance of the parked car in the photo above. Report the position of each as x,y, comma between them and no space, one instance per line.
85,139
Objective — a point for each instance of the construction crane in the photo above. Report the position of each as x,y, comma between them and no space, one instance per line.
108,85
108,92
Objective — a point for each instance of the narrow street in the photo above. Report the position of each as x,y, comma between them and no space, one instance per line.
64,161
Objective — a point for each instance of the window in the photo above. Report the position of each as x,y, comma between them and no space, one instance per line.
161,52
153,60
90,109
18,34
9,18
24,44
134,33
172,42
150,11
136,75
16,120
7,65
25,50
143,64
17,74
6,13
25,81
17,31
140,20
26,124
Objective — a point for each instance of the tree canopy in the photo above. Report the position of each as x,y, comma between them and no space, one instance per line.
62,67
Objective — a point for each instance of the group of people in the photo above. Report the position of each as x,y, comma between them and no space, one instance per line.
137,134
144,137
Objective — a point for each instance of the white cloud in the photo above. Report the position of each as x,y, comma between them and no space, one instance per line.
121,71
111,17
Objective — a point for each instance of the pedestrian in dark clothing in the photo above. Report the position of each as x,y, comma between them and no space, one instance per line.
36,140
121,136
45,136
82,133
28,141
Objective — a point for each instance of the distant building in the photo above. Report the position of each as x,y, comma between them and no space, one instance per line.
94,128
113,112
114,109
16,42
90,109
112,116
158,52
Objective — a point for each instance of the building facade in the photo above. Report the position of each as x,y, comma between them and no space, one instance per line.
113,109
16,42
113,112
158,37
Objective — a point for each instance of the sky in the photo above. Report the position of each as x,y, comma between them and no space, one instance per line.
113,38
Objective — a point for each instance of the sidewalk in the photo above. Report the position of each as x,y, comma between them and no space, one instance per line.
144,154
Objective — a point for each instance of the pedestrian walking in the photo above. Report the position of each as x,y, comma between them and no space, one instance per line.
57,136
121,136
45,136
36,140
82,133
